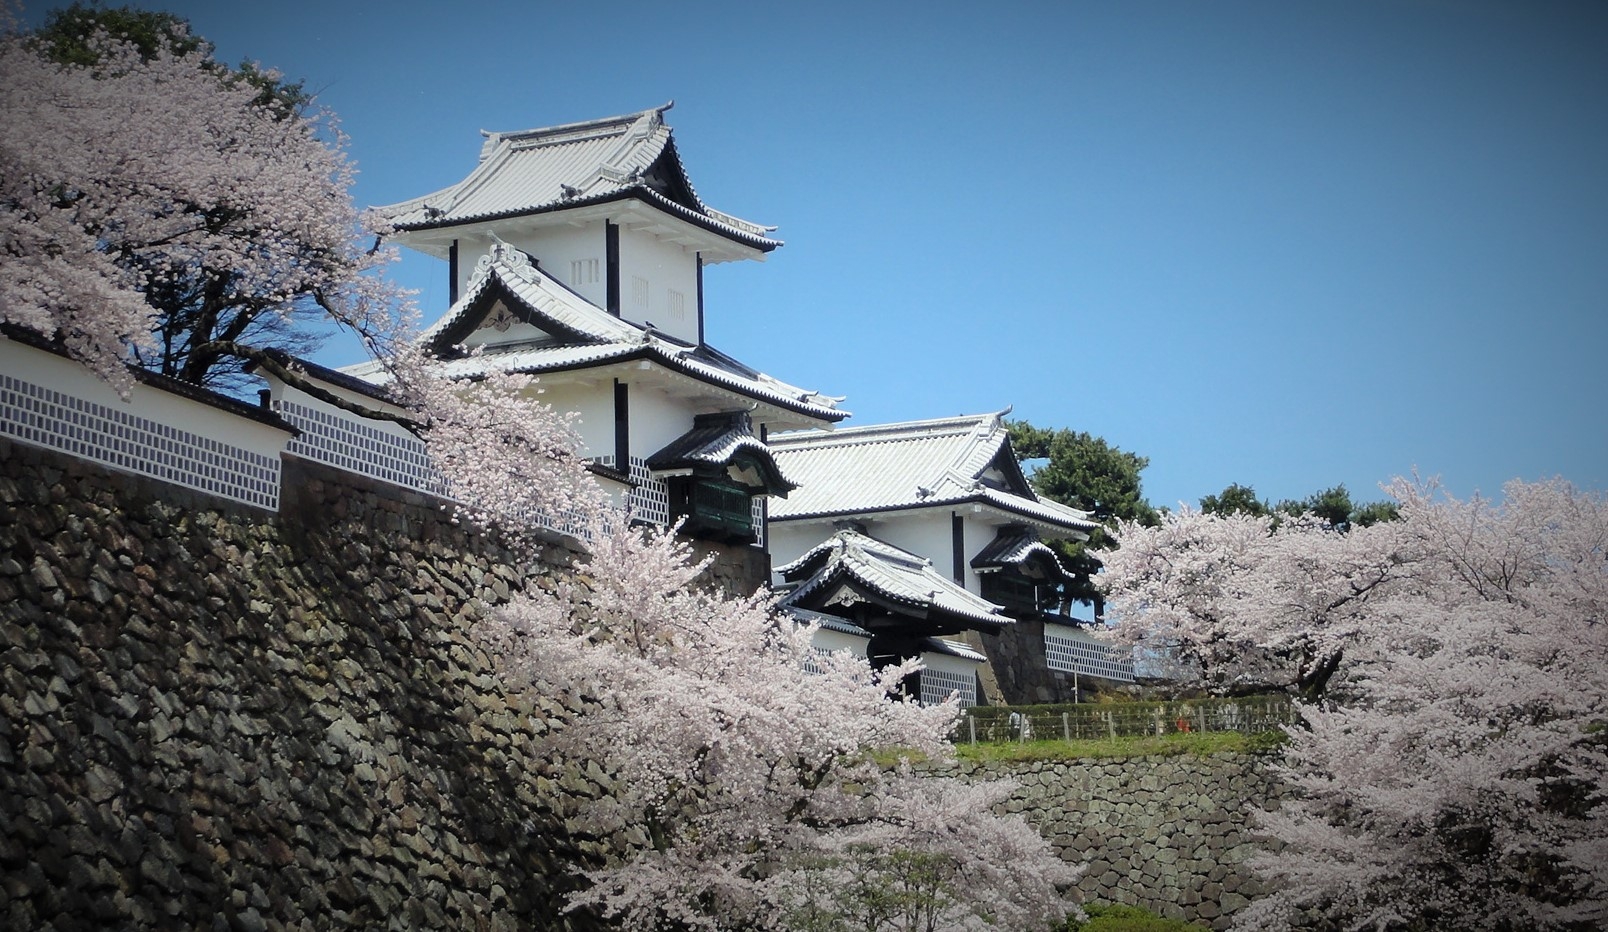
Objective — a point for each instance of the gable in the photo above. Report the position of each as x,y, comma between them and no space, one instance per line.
496,316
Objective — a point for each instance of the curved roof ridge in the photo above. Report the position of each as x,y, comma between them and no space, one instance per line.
580,127
895,574
870,433
572,165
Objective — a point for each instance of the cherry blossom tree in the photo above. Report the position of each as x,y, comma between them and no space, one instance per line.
1455,773
1244,603
1464,784
143,174
752,786
753,789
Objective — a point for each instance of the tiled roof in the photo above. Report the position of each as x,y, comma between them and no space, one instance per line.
844,626
914,464
888,572
586,335
1014,546
714,441
574,165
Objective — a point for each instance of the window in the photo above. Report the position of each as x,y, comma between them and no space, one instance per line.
713,508
1018,593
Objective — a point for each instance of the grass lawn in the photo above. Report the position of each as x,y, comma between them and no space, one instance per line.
1196,743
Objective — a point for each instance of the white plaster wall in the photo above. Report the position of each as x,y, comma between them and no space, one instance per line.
789,540
554,247
471,246
836,640
281,391
949,663
667,267
923,533
656,419
70,378
593,404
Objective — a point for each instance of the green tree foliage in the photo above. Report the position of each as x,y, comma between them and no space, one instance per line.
1334,506
1119,917
1235,500
1085,472
68,37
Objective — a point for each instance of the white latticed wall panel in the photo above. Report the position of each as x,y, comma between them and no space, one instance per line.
650,499
358,445
39,415
813,666
937,685
1086,657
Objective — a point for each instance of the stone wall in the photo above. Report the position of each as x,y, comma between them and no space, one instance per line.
217,717
1018,672
1169,834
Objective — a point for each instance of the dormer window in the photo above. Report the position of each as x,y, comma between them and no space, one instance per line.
714,472
1021,589
1020,572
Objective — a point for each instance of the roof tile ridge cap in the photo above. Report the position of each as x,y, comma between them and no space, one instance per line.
643,130
951,473
511,258
575,126
897,554
490,163
988,436
476,284
919,429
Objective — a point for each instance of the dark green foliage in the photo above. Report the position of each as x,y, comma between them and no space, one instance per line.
1373,513
1087,473
1333,506
1235,500
1117,917
1084,471
68,34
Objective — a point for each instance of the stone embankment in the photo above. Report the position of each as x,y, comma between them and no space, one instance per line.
1168,833
214,717
218,717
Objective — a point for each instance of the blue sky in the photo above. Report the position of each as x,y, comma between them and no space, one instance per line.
1283,244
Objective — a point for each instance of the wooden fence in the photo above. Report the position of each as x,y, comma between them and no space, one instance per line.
1247,715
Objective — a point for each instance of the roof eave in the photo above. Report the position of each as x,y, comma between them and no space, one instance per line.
405,232
889,510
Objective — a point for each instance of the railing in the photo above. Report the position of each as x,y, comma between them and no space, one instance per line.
1246,715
